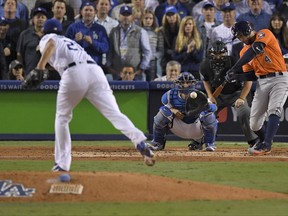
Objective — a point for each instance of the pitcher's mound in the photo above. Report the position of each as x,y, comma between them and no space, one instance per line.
127,187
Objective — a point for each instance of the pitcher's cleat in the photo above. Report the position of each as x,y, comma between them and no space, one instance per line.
57,168
147,153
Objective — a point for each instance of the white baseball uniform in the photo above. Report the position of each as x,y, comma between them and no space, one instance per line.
81,78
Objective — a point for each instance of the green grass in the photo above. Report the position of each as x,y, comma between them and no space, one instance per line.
268,176
187,208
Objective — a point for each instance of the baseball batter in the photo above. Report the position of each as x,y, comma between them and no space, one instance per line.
81,78
262,57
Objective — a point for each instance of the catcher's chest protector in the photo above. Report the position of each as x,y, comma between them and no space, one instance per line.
176,101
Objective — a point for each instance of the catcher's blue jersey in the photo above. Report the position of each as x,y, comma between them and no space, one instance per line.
172,99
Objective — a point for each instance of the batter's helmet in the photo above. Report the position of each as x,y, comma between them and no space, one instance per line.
52,26
241,27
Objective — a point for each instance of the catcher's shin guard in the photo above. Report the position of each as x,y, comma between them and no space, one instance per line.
162,123
209,125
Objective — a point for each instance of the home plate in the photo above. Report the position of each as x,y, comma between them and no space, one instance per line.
66,188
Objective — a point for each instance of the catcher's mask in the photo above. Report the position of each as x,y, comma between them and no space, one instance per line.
218,51
185,82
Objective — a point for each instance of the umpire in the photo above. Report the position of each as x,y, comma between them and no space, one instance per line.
213,70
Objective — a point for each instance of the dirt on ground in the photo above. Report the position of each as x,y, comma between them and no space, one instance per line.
128,187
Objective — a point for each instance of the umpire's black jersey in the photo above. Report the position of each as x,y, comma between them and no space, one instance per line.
215,74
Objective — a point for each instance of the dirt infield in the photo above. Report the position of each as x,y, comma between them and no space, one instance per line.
124,187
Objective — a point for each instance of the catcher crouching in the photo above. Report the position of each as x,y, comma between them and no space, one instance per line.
186,117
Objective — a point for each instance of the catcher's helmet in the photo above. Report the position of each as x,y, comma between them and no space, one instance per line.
241,27
182,80
218,47
52,26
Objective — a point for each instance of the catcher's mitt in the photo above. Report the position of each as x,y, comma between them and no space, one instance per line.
196,103
34,79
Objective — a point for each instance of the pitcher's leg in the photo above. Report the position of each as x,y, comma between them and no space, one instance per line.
106,103
65,104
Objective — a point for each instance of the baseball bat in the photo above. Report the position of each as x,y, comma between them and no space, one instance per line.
219,89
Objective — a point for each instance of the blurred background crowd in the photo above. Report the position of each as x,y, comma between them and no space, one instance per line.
134,39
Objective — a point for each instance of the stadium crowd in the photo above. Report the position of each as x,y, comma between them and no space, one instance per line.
143,34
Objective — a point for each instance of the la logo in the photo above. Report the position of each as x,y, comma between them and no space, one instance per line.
7,189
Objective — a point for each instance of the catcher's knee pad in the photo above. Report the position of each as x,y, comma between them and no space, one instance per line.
209,125
208,119
163,118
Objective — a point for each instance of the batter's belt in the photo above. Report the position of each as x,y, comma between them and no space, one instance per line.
72,64
274,74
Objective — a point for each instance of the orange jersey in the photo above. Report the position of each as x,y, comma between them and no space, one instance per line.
268,62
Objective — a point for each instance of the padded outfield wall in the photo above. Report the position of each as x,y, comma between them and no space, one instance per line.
29,115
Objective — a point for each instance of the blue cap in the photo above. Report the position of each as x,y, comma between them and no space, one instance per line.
3,21
87,3
39,10
228,6
125,10
208,4
171,9
52,26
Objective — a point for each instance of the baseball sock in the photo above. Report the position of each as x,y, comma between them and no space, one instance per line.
261,133
271,128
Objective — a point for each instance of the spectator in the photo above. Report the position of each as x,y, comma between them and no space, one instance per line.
59,13
127,73
280,30
16,26
173,70
197,10
102,17
168,33
274,4
27,46
283,10
208,23
22,11
161,10
89,34
188,47
148,22
116,10
151,4
3,67
242,7
223,31
5,48
48,6
189,4
129,44
16,71
256,15
137,10
213,70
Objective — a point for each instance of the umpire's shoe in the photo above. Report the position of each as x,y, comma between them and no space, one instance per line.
147,153
262,148
194,146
